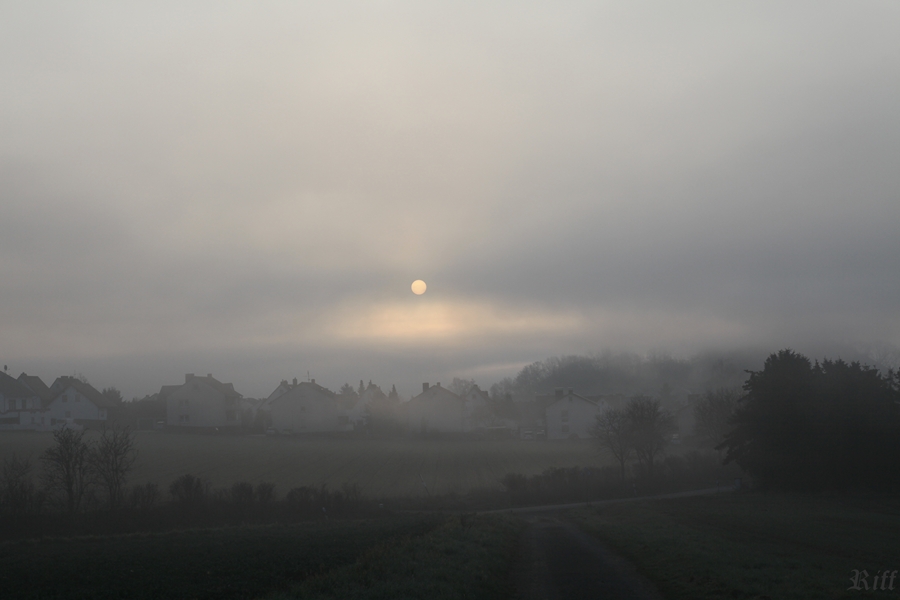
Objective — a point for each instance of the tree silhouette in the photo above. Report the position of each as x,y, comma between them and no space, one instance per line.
113,459
67,468
825,426
651,429
614,435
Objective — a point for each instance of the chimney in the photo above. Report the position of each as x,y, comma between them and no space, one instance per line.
559,392
188,377
313,380
571,391
438,384
295,382
209,375
424,387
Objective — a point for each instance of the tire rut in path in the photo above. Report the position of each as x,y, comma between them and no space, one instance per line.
558,561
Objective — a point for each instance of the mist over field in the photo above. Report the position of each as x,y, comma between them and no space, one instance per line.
442,300
249,190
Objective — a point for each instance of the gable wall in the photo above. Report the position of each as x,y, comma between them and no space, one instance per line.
72,406
571,416
435,412
196,404
305,410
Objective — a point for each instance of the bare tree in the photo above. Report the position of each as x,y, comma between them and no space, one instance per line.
113,459
16,487
67,468
651,428
713,415
461,387
614,436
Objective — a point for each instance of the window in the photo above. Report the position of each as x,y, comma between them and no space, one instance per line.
18,404
102,413
565,429
565,415
230,416
68,414
183,418
65,398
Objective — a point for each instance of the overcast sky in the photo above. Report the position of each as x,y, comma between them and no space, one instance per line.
249,189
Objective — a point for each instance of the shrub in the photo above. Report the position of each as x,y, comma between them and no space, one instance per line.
265,493
242,493
189,490
16,487
143,497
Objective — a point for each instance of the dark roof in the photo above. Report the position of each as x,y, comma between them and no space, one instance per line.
36,385
436,390
569,396
165,390
13,388
85,389
308,386
226,389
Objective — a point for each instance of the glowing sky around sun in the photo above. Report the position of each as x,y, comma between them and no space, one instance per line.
249,188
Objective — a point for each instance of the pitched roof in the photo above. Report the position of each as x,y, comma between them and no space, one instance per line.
36,385
433,392
303,386
226,389
85,389
13,388
570,395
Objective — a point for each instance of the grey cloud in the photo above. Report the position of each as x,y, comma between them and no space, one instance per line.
214,185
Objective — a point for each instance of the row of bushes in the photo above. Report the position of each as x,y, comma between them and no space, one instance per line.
190,502
674,473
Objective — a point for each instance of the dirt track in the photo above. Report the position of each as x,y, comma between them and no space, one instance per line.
559,561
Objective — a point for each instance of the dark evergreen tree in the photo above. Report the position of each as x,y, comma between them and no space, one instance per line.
832,425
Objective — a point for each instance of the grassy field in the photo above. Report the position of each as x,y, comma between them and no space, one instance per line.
465,558
236,562
754,545
382,468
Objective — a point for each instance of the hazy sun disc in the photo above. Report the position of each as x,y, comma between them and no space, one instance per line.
418,287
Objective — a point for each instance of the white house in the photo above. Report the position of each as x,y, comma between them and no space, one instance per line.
571,416
306,407
75,402
202,402
436,409
20,407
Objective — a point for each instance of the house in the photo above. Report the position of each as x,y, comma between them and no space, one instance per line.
75,402
477,413
36,385
306,407
202,402
20,406
571,416
436,409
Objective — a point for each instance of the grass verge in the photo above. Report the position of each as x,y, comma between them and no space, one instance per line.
755,545
466,557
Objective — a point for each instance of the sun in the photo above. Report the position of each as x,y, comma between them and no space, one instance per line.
418,287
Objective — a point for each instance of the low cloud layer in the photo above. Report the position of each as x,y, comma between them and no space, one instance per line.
250,189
